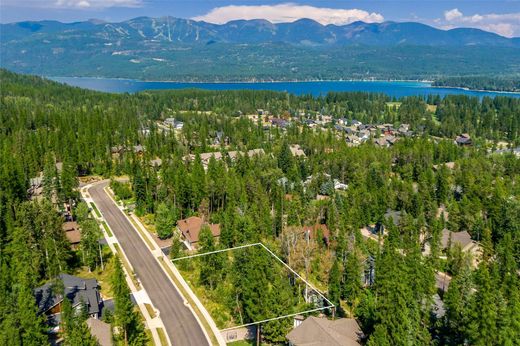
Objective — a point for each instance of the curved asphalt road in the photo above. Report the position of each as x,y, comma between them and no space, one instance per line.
181,325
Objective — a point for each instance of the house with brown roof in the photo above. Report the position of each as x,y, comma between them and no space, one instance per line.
72,232
316,331
191,227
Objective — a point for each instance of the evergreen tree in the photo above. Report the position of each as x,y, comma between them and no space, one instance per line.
285,159
334,285
30,325
164,221
90,247
125,317
211,266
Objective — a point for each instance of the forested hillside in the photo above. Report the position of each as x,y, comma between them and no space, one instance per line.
184,50
510,84
433,184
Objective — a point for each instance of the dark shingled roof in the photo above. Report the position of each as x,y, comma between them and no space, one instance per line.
76,289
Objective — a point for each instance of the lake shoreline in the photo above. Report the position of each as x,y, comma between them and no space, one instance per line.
392,88
427,82
252,81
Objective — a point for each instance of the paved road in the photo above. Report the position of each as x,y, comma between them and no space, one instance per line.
181,325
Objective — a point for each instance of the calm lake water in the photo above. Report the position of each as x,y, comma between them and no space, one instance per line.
397,89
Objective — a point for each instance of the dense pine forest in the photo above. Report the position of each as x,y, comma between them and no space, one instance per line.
509,84
432,183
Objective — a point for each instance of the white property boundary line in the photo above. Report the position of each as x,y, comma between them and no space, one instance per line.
281,261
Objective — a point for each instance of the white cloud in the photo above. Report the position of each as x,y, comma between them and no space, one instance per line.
452,14
506,24
288,12
97,4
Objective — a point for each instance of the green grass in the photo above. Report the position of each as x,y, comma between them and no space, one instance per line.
150,310
127,265
162,336
218,311
242,343
146,240
95,209
102,276
105,226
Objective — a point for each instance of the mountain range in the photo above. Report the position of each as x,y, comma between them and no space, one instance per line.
183,49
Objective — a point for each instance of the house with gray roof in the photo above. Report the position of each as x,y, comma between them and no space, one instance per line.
463,238
80,292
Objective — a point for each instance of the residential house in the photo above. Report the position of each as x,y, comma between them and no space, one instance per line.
169,122
463,238
80,292
353,139
205,157
173,123
342,121
311,123
363,135
138,149
156,162
390,215
220,138
233,155
190,230
73,234
35,187
278,122
463,139
338,185
297,151
117,150
315,331
515,151
450,165
403,128
255,152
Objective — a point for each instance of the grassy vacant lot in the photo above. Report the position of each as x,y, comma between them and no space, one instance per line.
102,276
226,299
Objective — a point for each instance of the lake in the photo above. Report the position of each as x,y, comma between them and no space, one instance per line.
391,88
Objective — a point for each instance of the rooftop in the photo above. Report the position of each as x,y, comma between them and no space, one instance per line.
192,226
323,332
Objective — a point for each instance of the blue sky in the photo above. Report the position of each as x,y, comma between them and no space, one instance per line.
499,16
